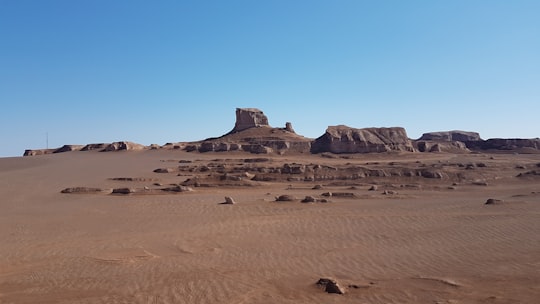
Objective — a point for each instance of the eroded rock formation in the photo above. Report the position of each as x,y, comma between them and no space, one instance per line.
344,139
249,118
455,135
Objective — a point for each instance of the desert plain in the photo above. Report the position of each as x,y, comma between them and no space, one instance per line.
261,215
411,240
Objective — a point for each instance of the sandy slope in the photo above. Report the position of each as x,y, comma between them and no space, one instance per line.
428,245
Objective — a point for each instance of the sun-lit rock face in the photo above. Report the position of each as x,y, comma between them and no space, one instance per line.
344,139
249,118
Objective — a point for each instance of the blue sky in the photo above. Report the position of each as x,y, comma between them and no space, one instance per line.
166,71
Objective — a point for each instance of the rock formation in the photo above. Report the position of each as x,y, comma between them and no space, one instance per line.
249,118
289,128
252,134
123,145
456,135
506,144
343,139
440,146
34,152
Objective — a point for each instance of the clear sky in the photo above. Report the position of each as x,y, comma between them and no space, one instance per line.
88,71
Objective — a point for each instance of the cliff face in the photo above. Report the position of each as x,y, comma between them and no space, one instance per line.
343,139
249,118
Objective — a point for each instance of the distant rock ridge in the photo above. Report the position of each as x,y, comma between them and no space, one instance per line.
102,147
455,135
344,139
253,134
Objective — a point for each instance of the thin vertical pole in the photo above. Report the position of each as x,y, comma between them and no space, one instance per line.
47,139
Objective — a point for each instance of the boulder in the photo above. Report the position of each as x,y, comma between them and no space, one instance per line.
309,199
344,139
285,198
330,285
493,201
229,201
455,135
249,118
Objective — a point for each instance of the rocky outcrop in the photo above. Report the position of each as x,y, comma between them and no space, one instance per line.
456,135
511,144
31,152
91,147
289,128
252,134
344,139
67,148
249,118
440,146
123,145
330,285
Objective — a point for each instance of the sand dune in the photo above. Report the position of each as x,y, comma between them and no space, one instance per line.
435,242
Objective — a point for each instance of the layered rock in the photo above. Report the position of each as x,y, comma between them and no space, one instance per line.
90,147
123,145
509,144
67,148
456,135
440,146
344,139
34,152
64,148
252,134
249,118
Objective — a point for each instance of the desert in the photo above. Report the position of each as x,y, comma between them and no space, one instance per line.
265,215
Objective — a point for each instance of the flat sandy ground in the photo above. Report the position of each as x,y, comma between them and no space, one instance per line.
435,242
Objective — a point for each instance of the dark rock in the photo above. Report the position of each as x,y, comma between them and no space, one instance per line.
330,285
123,191
309,199
492,201
229,201
285,198
164,170
84,190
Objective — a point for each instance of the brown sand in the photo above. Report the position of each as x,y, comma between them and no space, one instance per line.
422,245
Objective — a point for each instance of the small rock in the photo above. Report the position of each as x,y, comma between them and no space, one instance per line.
373,188
229,201
123,191
492,201
285,198
317,187
309,199
389,192
330,286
